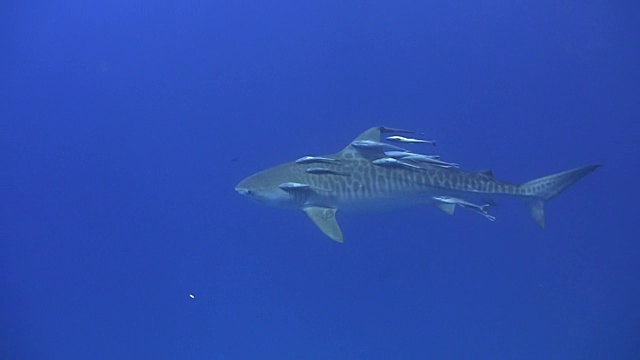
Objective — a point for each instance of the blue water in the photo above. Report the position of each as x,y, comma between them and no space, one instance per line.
126,125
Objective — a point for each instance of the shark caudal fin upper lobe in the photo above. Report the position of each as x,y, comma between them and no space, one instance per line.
541,190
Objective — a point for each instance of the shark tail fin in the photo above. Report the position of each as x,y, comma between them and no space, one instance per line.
543,189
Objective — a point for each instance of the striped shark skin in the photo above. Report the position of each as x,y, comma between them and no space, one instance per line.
363,177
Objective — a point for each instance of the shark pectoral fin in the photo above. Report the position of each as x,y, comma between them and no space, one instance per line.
325,219
448,208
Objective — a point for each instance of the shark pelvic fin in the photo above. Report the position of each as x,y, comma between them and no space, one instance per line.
536,209
325,219
447,208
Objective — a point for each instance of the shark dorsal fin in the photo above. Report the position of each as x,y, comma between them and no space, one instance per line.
325,219
486,172
372,134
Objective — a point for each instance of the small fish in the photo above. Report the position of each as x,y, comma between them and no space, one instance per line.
370,144
385,129
428,159
398,154
480,209
317,159
325,171
404,154
295,186
487,216
394,162
406,140
457,201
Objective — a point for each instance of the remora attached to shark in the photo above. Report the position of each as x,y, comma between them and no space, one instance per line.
371,174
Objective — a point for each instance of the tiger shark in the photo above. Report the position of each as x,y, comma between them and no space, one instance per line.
370,174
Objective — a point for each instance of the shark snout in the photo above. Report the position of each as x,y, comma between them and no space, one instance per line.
242,190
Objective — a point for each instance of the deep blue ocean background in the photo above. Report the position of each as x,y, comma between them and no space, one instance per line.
125,126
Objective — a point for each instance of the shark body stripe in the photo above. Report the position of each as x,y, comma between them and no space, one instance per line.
368,181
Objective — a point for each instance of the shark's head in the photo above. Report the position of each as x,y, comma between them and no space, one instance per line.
264,188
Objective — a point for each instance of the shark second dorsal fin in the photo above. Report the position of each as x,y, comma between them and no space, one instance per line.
486,172
325,219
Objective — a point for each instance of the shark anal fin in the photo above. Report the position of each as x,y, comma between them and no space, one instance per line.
325,219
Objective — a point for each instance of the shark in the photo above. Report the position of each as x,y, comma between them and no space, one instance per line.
369,174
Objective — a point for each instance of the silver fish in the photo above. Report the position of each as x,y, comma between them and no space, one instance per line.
402,139
295,186
398,154
428,159
317,159
404,154
385,129
479,209
394,162
325,171
375,145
